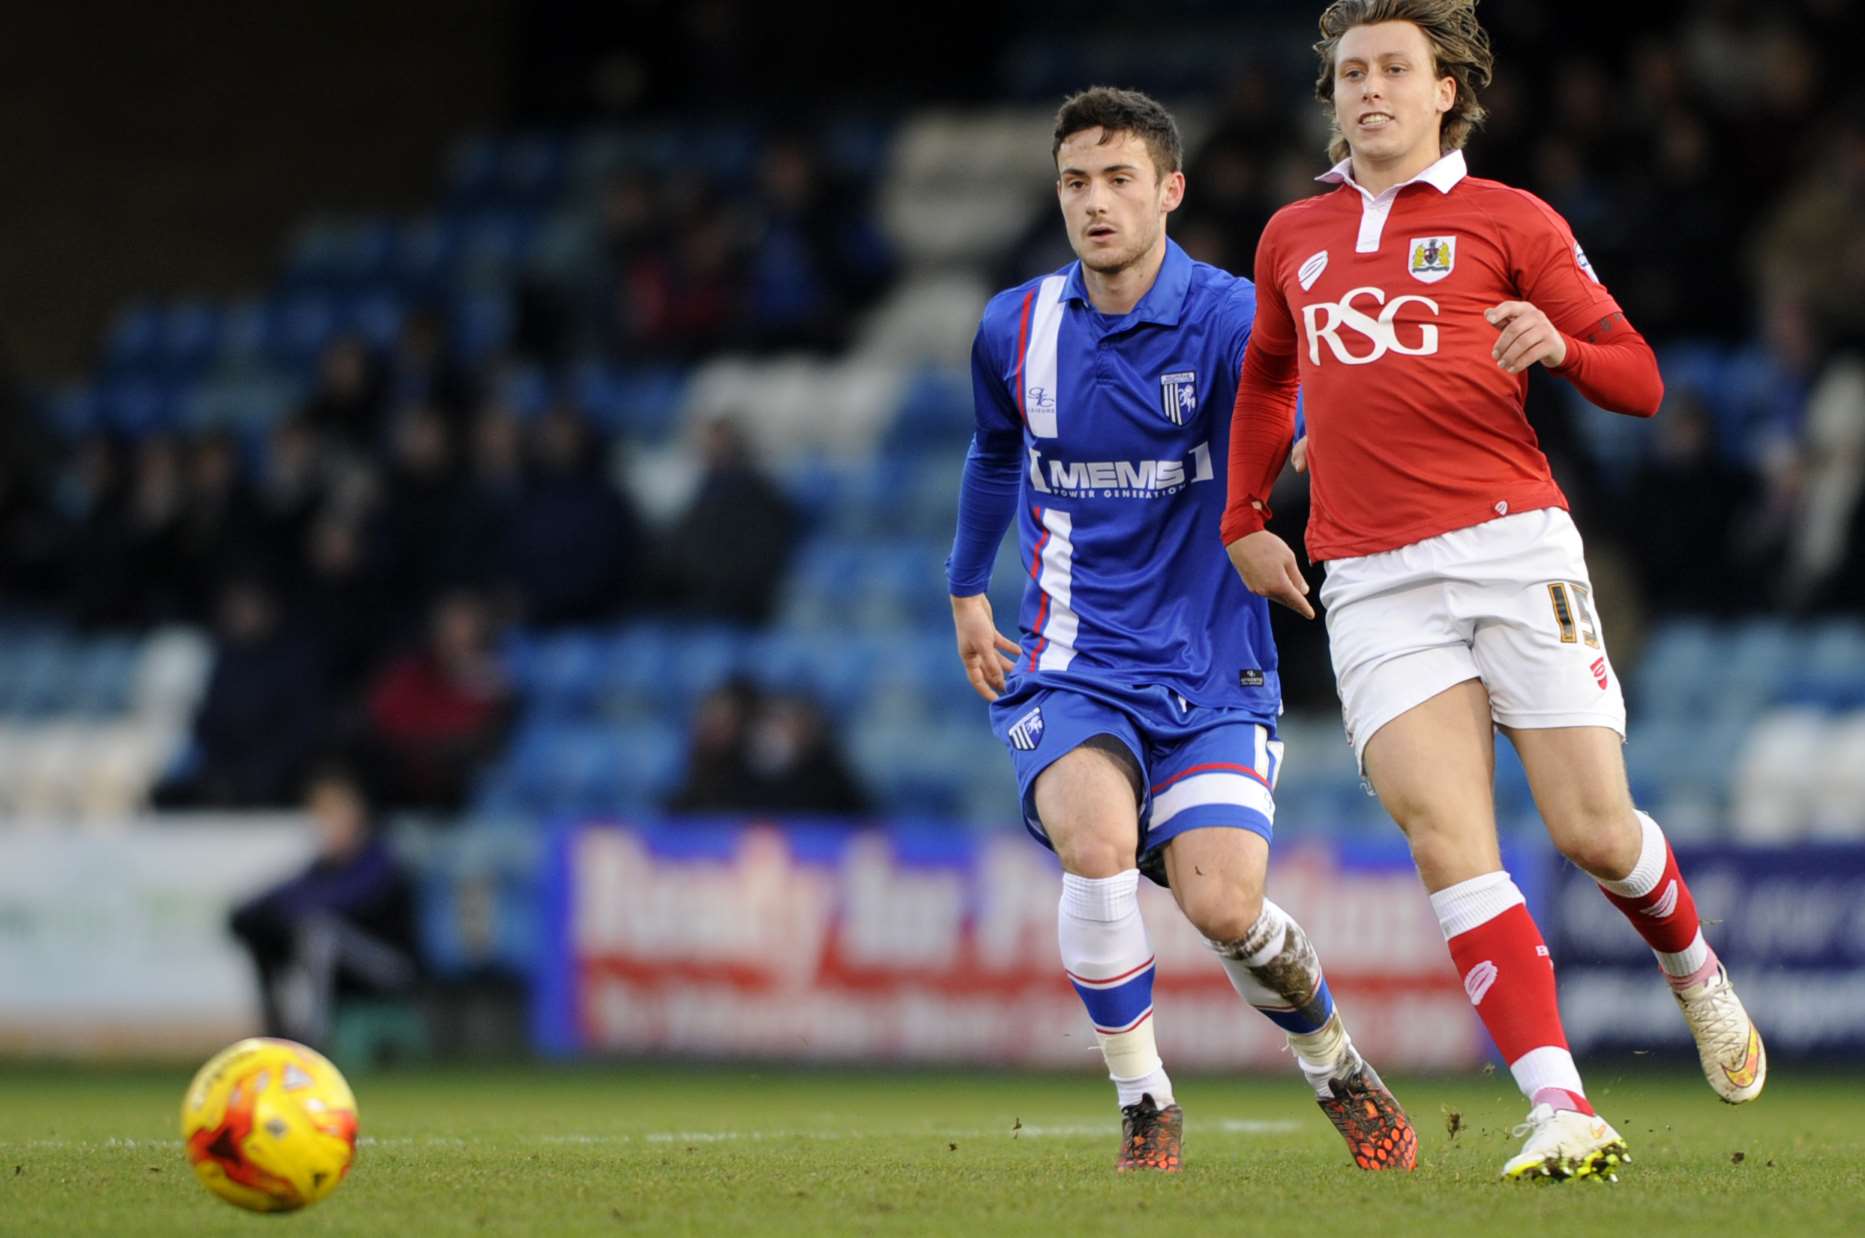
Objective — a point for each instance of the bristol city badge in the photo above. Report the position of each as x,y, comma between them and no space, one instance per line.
1432,257
1178,395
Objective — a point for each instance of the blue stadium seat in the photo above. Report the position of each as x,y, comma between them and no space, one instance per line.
134,335
423,253
300,326
375,314
633,673
482,325
190,336
935,413
73,410
473,168
565,673
137,406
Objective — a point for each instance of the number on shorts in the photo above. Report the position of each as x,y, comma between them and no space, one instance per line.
1573,615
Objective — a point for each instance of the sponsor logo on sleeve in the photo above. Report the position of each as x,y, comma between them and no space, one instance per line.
1580,257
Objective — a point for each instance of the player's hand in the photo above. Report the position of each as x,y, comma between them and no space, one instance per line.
1527,337
981,647
1298,454
1269,570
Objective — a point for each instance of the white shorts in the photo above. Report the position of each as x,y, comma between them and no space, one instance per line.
1507,601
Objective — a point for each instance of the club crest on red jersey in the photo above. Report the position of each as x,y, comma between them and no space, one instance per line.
1431,257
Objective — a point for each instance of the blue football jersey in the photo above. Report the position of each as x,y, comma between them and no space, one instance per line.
1120,431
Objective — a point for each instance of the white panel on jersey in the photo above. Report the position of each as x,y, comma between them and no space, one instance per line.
1058,566
1200,789
1038,396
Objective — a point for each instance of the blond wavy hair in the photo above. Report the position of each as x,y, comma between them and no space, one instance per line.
1459,49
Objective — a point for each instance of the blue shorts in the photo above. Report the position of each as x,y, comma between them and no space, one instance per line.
1200,766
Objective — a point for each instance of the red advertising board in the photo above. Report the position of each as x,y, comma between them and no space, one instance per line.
932,947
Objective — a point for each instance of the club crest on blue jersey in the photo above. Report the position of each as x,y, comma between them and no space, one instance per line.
1027,732
1178,395
1432,257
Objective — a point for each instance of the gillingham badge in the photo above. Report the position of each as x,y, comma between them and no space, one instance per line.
1178,395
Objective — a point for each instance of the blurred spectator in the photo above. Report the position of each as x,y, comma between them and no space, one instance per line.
1824,568
343,928
346,599
495,494
92,497
290,489
1811,246
220,525
798,767
681,298
719,777
437,714
575,542
265,711
423,370
816,260
753,754
1685,503
348,406
420,518
729,550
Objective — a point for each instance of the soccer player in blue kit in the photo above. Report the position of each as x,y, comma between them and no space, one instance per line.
1142,725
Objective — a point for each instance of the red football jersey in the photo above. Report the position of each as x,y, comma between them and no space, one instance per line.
1377,302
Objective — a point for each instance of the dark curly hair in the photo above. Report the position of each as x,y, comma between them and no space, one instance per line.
1459,48
1114,112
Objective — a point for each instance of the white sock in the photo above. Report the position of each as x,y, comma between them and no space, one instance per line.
1110,962
1547,1067
1317,1036
1643,878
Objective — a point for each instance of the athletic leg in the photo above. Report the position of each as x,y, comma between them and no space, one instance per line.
1432,767
1088,804
1578,778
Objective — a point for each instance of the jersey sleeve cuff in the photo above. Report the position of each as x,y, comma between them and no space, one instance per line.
1242,522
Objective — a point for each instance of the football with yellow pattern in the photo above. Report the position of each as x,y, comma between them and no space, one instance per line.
269,1125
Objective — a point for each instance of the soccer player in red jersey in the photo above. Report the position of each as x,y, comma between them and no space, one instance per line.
1409,305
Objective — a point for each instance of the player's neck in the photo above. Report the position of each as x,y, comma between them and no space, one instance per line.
1117,292
1377,176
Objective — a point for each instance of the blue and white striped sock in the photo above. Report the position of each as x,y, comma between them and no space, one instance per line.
1110,962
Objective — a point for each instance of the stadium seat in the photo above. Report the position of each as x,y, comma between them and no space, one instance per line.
1775,781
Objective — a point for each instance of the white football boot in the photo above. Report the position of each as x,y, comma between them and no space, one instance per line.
1730,1049
1563,1144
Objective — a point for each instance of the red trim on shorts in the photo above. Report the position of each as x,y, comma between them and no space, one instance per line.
1224,765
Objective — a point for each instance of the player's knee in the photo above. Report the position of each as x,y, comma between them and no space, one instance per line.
1094,854
1605,844
1223,912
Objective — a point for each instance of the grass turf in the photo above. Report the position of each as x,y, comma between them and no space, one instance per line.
684,1150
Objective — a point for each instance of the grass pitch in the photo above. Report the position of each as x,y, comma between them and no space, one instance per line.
692,1151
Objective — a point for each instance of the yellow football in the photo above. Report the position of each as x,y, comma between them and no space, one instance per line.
269,1125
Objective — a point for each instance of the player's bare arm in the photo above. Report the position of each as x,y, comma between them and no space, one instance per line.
986,652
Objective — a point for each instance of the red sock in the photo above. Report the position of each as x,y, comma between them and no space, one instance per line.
1509,976
1658,905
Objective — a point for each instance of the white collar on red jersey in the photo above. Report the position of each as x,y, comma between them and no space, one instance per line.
1441,176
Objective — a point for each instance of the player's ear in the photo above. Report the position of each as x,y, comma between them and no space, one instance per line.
1447,93
1174,191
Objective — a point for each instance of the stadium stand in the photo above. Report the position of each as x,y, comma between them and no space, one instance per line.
646,278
